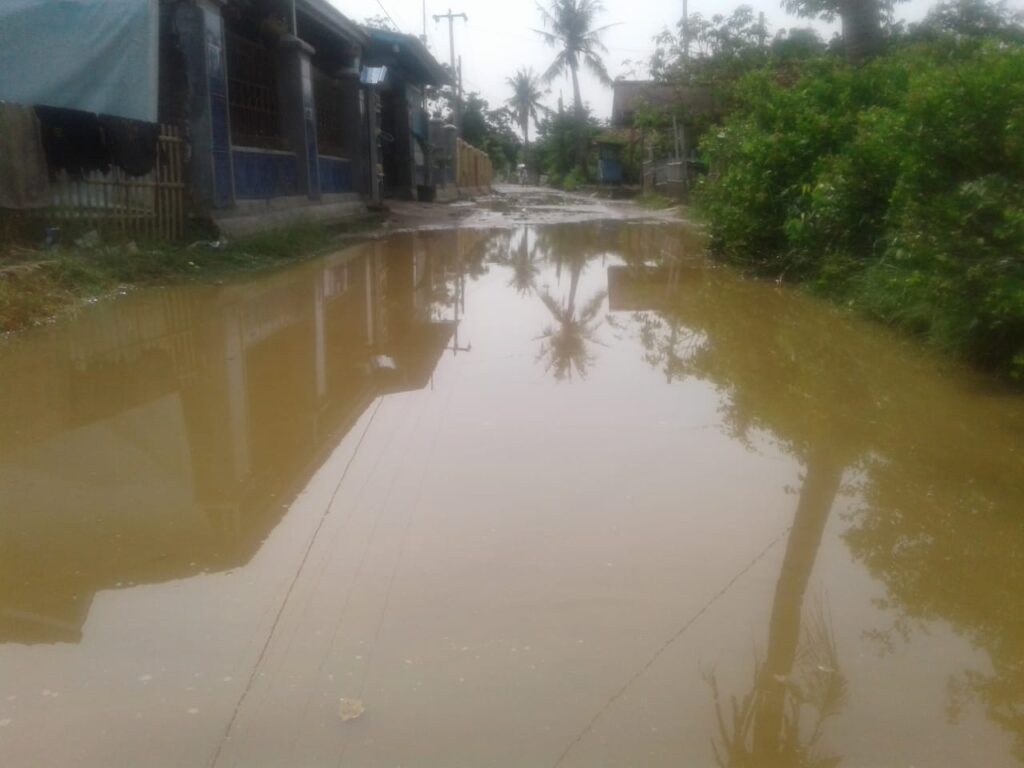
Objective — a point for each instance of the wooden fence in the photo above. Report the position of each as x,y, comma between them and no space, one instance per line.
474,168
150,206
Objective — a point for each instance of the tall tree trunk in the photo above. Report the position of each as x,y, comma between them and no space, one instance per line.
862,29
581,149
526,147
821,483
574,284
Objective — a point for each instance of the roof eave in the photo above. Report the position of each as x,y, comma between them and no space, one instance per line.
325,13
411,51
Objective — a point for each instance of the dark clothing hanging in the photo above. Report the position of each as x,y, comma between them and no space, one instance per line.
81,142
73,141
133,144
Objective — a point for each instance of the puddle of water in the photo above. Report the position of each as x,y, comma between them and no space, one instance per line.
540,496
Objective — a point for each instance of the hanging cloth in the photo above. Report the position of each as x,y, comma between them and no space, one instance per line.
132,144
23,177
74,142
99,56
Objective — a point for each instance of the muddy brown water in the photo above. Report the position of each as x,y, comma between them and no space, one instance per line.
533,496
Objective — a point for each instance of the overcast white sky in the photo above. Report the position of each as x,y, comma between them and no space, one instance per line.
498,37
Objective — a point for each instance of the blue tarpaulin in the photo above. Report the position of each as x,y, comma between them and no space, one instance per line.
98,56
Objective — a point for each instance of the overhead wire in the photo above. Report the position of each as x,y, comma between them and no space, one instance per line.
390,18
666,645
291,588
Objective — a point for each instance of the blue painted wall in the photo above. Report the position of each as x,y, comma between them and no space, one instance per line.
263,175
609,171
336,175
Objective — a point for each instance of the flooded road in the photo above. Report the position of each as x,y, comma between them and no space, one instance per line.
535,494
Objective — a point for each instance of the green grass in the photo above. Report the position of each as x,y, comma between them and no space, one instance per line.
36,285
655,202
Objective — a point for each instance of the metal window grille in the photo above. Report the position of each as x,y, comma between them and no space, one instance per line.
331,129
252,94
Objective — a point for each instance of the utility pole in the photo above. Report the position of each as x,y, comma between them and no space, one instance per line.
451,17
424,38
686,31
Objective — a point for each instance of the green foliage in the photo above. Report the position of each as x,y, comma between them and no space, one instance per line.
556,148
971,18
720,48
897,187
573,181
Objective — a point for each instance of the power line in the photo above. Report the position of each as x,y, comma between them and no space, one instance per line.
456,73
395,23
665,645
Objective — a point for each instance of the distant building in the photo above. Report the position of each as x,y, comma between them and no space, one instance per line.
666,119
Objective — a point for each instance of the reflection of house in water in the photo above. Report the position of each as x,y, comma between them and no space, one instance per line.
634,289
165,435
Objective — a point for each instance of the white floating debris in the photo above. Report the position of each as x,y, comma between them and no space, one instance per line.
350,709
5,722
193,711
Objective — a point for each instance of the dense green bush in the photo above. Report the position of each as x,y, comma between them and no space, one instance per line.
897,187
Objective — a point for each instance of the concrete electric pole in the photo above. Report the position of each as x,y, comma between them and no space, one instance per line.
451,17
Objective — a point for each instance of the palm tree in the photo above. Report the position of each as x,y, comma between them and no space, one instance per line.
525,103
569,27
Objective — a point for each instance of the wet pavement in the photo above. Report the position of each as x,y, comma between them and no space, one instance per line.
547,489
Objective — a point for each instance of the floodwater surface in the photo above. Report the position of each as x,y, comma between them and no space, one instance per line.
531,496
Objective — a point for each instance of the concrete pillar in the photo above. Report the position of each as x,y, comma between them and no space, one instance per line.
298,110
211,176
451,148
237,388
373,122
353,103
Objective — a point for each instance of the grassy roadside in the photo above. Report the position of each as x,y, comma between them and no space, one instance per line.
655,202
37,285
895,188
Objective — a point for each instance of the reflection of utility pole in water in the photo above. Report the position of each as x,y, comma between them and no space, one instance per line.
821,483
776,738
459,304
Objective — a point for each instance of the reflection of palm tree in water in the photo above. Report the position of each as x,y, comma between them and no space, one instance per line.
564,343
524,266
800,669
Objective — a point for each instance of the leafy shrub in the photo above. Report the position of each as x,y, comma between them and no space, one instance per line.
573,181
898,187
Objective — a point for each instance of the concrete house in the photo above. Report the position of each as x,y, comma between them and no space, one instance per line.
666,120
250,113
